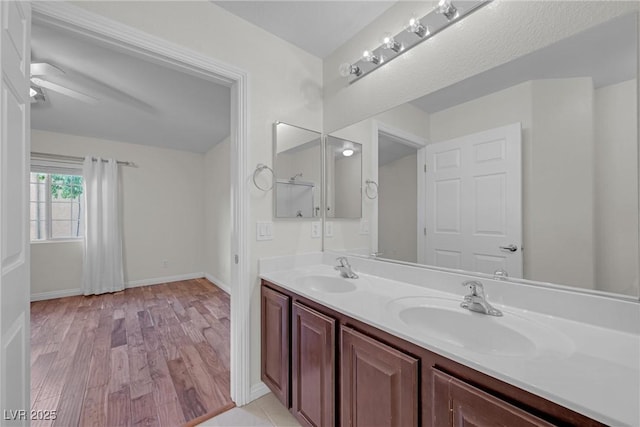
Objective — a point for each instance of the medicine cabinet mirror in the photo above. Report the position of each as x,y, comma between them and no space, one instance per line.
297,172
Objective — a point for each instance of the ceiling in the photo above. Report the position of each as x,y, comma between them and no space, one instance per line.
318,27
145,103
142,102
139,101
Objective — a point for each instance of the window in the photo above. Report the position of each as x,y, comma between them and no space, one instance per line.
56,206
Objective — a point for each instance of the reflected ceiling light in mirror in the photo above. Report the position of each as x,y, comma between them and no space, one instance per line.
446,13
347,149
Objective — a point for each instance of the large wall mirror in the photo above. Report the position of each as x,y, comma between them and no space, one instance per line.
297,172
343,171
529,169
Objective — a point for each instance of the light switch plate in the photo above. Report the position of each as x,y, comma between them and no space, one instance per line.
264,230
316,229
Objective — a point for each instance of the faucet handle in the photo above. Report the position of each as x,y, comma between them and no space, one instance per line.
477,289
344,262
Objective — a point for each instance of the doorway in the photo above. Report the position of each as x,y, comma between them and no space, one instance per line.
75,19
398,213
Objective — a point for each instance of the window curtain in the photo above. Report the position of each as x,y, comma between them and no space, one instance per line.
102,269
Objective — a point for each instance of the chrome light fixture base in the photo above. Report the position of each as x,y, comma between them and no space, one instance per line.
445,14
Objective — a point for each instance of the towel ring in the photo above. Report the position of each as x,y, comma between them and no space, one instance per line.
369,185
259,168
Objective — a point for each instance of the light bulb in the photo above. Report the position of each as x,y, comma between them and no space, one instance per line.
347,149
390,43
347,69
447,8
370,57
416,27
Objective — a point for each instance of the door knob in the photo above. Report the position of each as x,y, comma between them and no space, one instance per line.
510,248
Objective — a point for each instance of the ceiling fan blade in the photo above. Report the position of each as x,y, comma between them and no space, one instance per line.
64,90
44,69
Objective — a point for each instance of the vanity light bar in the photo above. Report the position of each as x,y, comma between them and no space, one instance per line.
417,30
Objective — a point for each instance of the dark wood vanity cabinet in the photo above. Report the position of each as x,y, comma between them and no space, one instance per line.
378,384
330,369
456,403
313,367
275,361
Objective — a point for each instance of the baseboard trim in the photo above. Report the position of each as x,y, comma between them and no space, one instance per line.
159,280
219,283
41,296
258,390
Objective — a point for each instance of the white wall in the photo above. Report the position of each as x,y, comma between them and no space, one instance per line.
561,244
398,209
163,213
285,83
217,217
616,188
348,176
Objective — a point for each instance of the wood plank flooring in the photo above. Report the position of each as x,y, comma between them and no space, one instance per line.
149,356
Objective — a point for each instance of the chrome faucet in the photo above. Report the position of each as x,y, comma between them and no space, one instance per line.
345,268
477,301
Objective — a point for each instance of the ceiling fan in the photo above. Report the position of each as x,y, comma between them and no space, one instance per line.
40,72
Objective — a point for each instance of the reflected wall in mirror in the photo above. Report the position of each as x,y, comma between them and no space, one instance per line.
576,103
297,172
343,171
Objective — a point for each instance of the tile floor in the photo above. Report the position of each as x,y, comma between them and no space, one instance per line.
266,411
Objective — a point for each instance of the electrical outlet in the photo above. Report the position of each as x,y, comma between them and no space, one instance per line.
316,229
364,226
328,229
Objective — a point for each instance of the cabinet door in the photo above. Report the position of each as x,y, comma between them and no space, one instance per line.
379,384
275,343
457,403
313,367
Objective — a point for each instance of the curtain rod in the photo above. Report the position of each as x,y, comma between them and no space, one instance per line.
73,158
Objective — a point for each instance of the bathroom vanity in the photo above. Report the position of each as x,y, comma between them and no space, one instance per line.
361,352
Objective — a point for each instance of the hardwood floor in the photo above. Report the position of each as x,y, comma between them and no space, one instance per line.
148,356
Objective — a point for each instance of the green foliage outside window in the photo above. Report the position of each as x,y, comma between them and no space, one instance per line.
64,186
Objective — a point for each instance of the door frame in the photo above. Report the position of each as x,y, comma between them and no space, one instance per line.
156,49
419,144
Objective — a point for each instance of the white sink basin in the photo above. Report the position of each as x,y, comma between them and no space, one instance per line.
326,284
511,335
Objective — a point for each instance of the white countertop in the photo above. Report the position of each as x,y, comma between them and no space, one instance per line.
597,373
